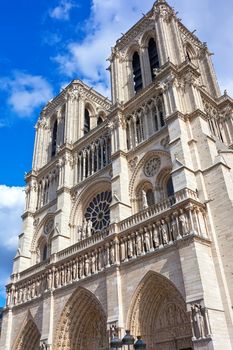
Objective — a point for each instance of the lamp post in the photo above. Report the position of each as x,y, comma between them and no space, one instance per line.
128,340
140,344
116,343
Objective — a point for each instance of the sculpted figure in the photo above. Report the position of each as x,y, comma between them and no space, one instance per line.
74,270
112,254
198,321
49,279
87,266
84,229
144,200
130,248
164,232
147,240
56,278
93,261
155,236
183,223
174,228
138,244
122,249
89,228
79,233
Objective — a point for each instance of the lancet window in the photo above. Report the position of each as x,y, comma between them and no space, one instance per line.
153,56
47,189
93,158
86,121
54,139
137,73
144,122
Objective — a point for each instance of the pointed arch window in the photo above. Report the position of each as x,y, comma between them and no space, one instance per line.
137,73
161,113
86,121
54,139
99,120
44,252
150,197
153,56
169,187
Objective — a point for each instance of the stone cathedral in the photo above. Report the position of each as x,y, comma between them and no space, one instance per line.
129,205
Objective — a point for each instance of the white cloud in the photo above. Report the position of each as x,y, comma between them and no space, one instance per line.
109,18
62,11
26,92
11,209
106,23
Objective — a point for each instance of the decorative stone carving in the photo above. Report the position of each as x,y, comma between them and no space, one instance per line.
152,166
48,226
144,200
200,322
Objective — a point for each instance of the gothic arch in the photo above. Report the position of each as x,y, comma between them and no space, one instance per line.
38,231
158,313
83,199
133,183
29,336
83,323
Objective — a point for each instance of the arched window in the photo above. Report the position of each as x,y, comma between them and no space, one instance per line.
150,197
137,73
54,139
161,113
153,56
86,121
99,120
170,188
44,253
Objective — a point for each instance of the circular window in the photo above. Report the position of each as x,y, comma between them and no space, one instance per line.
98,211
152,166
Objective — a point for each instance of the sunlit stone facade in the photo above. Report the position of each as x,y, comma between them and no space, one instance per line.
129,213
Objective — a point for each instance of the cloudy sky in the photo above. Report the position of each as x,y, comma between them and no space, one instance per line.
45,44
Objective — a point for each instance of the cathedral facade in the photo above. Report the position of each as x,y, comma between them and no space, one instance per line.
129,205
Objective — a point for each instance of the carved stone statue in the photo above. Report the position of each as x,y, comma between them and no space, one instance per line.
183,223
174,228
164,232
144,200
130,248
155,236
112,254
122,249
198,321
138,244
93,265
147,240
43,346
84,229
79,233
87,266
89,228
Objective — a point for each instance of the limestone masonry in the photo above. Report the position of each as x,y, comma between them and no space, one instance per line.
128,223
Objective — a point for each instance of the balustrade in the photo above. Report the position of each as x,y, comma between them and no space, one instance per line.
115,246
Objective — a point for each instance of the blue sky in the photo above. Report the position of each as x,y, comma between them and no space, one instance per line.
45,44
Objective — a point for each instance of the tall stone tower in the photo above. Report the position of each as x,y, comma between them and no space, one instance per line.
129,205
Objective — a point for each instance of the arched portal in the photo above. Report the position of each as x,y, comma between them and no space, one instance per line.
29,338
158,314
83,324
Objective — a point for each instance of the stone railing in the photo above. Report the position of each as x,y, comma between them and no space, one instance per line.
183,219
156,209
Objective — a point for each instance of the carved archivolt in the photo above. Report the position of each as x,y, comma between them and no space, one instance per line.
83,324
158,313
142,163
29,337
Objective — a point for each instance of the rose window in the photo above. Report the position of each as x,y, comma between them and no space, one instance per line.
98,211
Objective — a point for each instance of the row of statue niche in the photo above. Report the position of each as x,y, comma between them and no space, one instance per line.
85,230
63,275
154,236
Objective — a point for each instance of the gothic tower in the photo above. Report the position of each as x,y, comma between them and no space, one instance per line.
129,205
